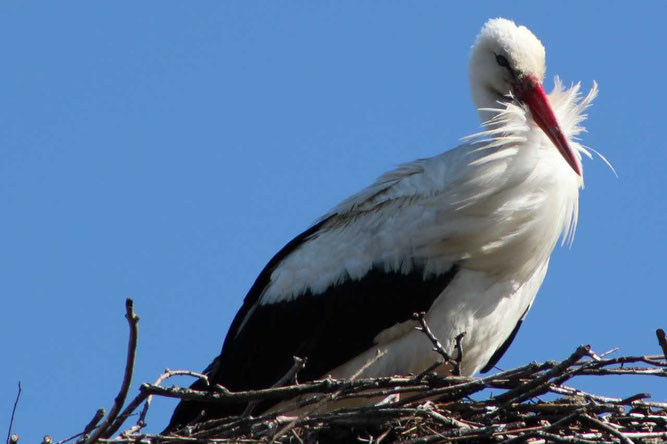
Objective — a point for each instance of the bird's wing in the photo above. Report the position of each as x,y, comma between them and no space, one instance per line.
367,265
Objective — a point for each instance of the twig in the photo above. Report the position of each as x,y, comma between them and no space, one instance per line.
630,399
332,397
143,396
133,321
662,340
171,373
459,348
99,414
605,427
437,346
533,387
429,369
11,420
224,396
291,375
286,379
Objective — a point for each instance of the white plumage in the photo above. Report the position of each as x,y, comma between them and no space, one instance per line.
487,214
496,205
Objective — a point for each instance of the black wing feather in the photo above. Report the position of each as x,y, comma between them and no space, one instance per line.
328,328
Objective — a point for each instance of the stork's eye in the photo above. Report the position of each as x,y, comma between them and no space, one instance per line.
502,61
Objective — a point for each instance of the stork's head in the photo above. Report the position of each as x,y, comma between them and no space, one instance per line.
508,63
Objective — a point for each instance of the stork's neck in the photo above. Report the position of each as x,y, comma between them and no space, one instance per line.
483,98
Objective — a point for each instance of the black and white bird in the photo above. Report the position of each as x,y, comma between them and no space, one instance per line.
464,236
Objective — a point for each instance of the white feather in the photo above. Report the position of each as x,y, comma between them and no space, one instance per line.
473,203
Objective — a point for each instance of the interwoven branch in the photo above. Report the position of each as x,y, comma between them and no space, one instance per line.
421,408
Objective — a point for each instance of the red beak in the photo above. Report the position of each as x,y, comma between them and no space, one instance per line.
530,92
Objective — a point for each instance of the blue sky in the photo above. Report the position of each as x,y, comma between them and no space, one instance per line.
165,150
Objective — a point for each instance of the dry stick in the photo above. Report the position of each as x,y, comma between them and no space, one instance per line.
141,422
332,397
99,414
630,399
523,391
565,439
144,396
604,427
437,346
468,386
129,410
133,321
466,434
11,420
459,348
570,391
286,379
553,426
222,395
427,371
662,340
650,359
622,371
291,375
449,383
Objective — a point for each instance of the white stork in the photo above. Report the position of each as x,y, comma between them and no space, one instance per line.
464,236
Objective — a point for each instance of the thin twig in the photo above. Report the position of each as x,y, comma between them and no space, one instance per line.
428,370
99,414
529,389
437,346
143,396
459,349
133,321
379,354
662,340
11,420
287,379
605,427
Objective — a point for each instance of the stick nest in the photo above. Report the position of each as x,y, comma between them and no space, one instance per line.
532,403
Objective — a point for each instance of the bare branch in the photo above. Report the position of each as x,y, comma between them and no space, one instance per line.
143,396
133,321
11,420
437,346
607,428
287,378
535,387
662,340
99,414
